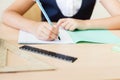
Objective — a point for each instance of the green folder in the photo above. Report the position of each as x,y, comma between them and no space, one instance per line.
94,36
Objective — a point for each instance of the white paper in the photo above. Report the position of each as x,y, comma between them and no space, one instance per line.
25,37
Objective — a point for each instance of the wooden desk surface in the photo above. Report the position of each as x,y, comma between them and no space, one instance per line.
95,61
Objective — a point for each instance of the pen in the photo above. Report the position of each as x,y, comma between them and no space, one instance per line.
44,13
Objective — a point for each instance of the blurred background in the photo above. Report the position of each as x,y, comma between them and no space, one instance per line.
34,12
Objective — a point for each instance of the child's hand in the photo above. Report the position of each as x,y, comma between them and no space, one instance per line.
44,31
70,24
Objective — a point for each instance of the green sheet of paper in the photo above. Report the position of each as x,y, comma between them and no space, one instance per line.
96,36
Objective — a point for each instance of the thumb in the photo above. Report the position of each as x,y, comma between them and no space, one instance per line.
56,26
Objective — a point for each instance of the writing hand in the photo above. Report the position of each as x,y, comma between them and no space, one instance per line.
44,31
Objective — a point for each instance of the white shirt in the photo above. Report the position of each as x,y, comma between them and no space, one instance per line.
69,7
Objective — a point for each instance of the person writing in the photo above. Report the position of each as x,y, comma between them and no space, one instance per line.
68,14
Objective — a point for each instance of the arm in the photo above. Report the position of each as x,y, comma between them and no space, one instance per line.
13,17
113,22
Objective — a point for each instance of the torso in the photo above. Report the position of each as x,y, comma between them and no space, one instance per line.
55,12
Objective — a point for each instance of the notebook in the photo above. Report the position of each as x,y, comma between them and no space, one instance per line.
78,36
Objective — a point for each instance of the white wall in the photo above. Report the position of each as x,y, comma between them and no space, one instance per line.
99,12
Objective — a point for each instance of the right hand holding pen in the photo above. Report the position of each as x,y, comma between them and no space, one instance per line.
44,31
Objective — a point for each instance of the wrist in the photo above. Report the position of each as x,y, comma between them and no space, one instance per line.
84,24
33,28
87,24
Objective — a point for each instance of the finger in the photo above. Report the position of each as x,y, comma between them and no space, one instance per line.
48,26
42,33
33,0
60,22
53,29
50,31
63,25
67,27
42,36
72,28
52,35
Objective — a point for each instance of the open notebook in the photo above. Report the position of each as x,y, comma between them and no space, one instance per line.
92,36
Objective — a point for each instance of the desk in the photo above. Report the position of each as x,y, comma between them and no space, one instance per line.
95,61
